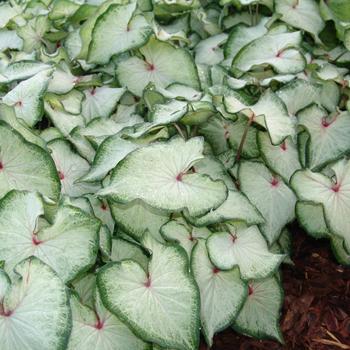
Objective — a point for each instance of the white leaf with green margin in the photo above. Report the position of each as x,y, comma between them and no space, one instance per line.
82,145
117,30
10,40
33,32
259,317
123,249
21,70
269,112
182,233
68,246
329,135
110,152
184,91
34,313
328,72
97,328
158,67
79,202
282,159
222,292
209,51
100,102
301,14
198,112
235,208
7,114
88,26
297,95
25,166
26,98
136,217
162,114
62,10
100,128
270,195
245,248
72,101
277,50
168,294
168,185
311,218
102,211
241,35
334,195
211,166
65,122
62,81
71,167
329,95
85,286
168,112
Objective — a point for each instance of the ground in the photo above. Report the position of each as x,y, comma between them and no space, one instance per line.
316,311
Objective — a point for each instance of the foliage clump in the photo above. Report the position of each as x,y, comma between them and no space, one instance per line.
152,154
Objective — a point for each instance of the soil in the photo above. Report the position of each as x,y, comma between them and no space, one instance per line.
316,311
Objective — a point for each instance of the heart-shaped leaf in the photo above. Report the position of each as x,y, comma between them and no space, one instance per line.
117,30
282,159
34,308
123,249
168,294
21,70
100,102
26,98
222,292
180,232
25,166
71,167
277,50
208,51
269,112
270,195
97,328
69,246
110,152
168,186
303,14
332,194
328,135
311,217
235,208
297,95
157,67
136,217
241,35
244,247
260,314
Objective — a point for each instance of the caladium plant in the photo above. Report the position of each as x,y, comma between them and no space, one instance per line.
152,155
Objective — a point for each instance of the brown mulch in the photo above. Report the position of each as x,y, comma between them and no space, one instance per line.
316,311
